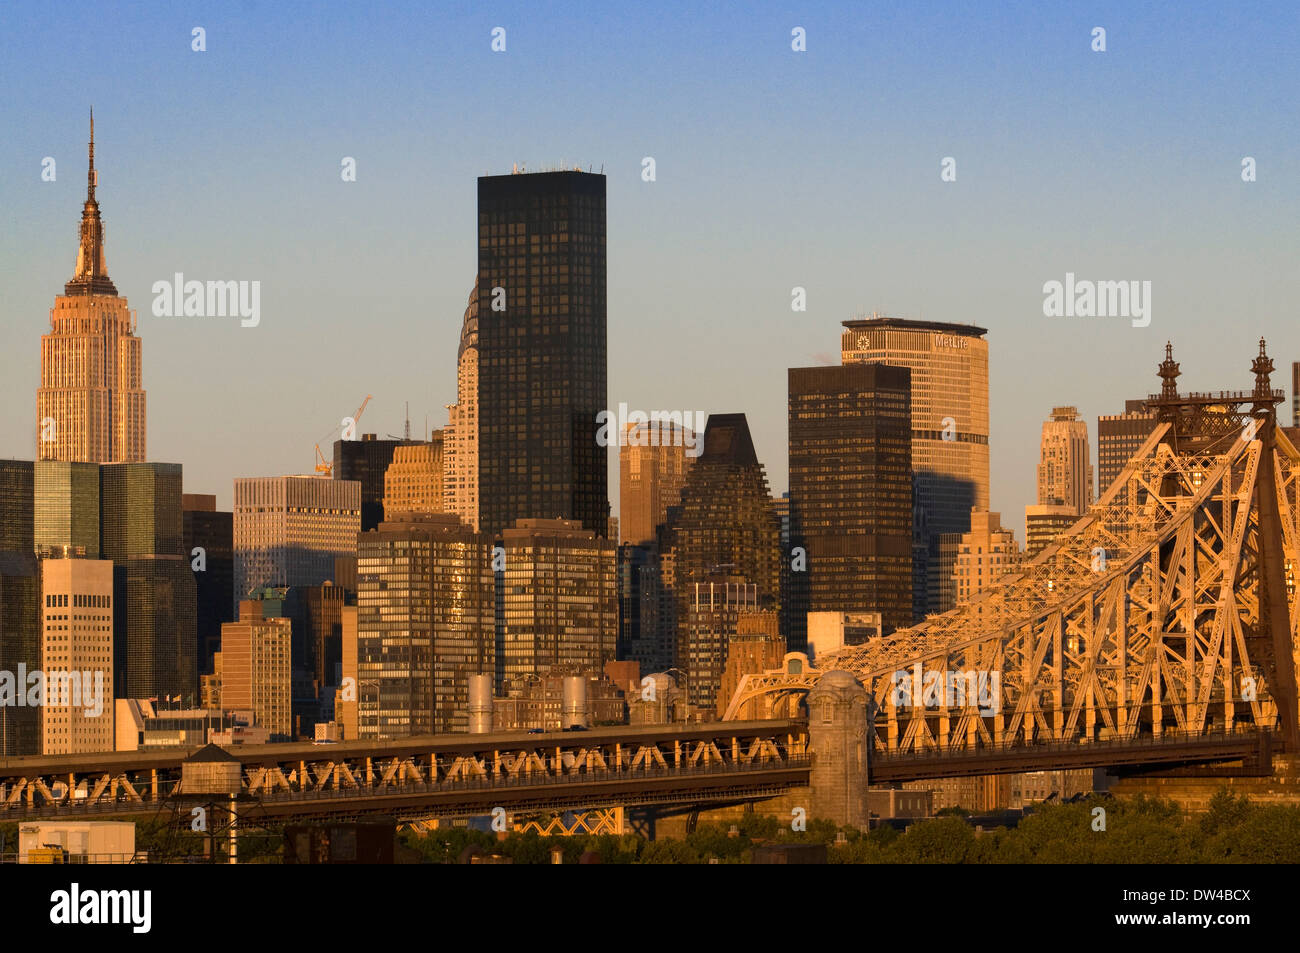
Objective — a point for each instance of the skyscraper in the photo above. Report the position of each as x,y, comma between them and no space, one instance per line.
255,664
413,482
460,438
851,488
366,461
542,349
1064,473
986,553
557,600
90,405
950,426
67,507
213,533
154,593
724,531
20,620
77,655
1119,436
289,529
424,624
652,468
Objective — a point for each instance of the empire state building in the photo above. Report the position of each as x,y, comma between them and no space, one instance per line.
90,404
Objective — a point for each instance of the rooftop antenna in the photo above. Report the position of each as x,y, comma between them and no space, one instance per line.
408,421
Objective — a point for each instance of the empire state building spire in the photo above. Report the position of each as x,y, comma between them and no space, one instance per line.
91,276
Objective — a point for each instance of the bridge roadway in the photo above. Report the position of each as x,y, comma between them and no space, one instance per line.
436,775
622,766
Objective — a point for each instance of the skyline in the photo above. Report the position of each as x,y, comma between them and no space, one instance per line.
695,257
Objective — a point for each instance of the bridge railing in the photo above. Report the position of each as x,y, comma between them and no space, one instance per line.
1020,746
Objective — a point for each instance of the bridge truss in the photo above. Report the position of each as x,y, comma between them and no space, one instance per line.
1169,609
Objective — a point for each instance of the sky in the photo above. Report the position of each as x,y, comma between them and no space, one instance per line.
774,169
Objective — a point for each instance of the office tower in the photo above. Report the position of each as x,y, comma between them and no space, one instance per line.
987,552
20,623
950,426
460,443
90,405
713,605
256,658
725,525
645,617
1119,436
943,577
289,529
542,347
366,461
213,532
1043,523
154,593
315,616
851,488
652,467
830,631
413,482
77,655
557,600
1064,473
67,507
756,647
425,615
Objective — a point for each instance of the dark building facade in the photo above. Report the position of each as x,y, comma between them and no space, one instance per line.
542,349
155,633
851,487
726,526
20,625
315,614
1119,436
212,531
366,461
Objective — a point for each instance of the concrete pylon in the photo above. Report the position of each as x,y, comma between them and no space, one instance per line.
838,710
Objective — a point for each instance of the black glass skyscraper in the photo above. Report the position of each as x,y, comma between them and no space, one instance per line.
851,489
542,349
155,631
20,630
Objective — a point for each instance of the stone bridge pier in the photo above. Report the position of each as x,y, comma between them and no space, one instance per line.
839,709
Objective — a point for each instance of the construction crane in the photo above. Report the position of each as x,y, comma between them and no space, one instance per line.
325,466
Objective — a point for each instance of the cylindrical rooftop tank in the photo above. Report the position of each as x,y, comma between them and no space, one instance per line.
573,710
480,704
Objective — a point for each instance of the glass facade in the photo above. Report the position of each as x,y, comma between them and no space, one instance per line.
851,490
542,349
950,426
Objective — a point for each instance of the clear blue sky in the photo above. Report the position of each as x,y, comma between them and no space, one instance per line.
774,169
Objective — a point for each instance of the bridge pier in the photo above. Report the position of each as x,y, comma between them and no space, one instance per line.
837,743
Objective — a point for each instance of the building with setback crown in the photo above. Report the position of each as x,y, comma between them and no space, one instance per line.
542,349
724,535
851,490
90,405
950,427
1064,473
460,437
